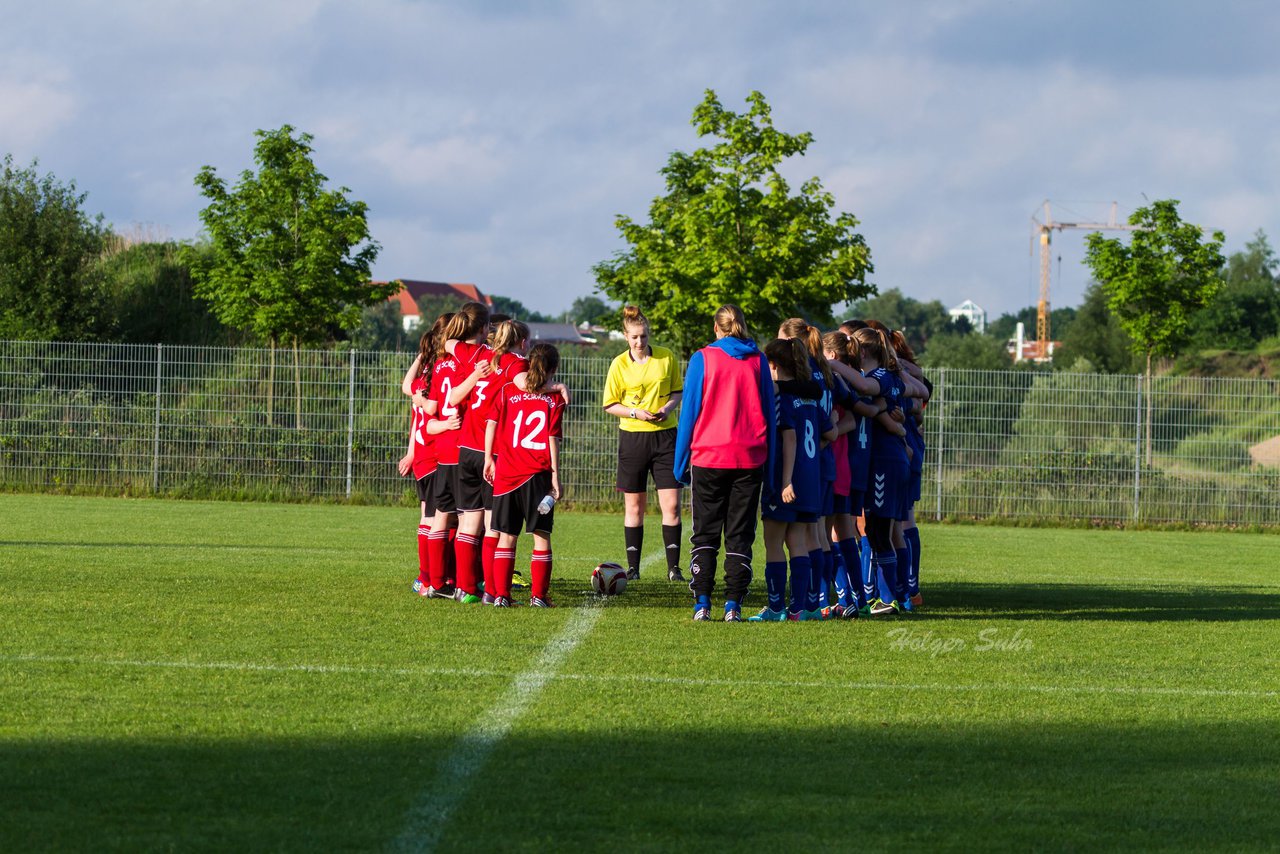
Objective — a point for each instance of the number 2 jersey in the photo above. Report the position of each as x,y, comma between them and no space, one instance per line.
526,421
442,383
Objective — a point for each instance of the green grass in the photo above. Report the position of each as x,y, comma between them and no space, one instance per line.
186,675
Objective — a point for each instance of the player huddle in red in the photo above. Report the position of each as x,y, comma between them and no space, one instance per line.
484,448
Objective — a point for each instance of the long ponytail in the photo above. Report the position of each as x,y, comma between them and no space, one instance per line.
877,342
543,361
467,321
789,355
437,338
796,327
506,338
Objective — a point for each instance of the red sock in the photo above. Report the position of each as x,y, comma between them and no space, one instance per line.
504,564
424,557
540,574
436,542
487,545
450,571
466,551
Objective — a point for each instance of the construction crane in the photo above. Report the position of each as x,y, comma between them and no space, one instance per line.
1043,230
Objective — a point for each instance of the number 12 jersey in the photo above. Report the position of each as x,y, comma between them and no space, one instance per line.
522,444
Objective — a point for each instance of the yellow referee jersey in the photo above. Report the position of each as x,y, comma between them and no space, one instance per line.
644,385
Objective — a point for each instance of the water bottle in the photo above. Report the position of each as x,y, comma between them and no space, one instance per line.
545,505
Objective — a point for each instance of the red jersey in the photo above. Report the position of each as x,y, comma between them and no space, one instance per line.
442,382
475,408
522,445
424,446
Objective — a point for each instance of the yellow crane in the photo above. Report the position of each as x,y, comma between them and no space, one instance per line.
1043,229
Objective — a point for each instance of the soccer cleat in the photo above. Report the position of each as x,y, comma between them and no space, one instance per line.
439,592
503,602
795,616
917,600
884,609
865,610
906,606
851,613
733,615
833,612
633,574
486,599
814,615
674,574
701,614
462,597
517,581
536,602
419,587
768,615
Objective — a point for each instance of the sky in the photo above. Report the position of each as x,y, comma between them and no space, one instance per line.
496,142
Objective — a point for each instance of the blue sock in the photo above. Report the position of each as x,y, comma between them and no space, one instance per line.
904,569
815,580
888,564
703,602
851,558
800,571
730,605
775,584
868,572
828,575
912,536
844,592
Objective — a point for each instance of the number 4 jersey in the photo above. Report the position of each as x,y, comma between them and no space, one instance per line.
522,445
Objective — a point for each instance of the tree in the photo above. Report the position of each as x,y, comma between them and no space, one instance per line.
290,259
591,310
1155,284
516,309
1096,337
1247,309
50,284
151,296
918,321
729,230
962,349
381,327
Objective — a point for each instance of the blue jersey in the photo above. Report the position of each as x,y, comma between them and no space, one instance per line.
884,443
802,417
826,404
859,449
915,438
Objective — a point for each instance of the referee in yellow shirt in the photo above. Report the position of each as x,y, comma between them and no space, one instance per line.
643,391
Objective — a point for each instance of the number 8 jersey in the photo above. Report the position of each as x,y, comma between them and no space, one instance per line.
522,447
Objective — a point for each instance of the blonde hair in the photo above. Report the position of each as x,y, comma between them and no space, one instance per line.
730,320
878,343
633,316
795,327
840,344
505,339
467,321
543,361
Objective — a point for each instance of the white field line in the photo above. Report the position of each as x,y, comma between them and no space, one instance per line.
642,678
431,812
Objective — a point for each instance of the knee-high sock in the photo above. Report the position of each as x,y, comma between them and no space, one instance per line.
671,542
424,559
437,543
912,536
887,562
466,550
801,569
503,567
540,574
868,572
852,564
904,567
775,584
487,547
815,580
634,537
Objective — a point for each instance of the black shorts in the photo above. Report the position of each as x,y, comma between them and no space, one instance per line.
473,491
517,510
645,453
426,493
446,488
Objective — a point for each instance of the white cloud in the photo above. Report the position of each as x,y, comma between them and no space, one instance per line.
35,101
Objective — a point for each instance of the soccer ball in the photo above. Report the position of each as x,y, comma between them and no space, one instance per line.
608,579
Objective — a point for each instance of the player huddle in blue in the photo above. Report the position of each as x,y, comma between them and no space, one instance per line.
829,443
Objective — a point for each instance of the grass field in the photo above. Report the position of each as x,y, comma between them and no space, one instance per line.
188,676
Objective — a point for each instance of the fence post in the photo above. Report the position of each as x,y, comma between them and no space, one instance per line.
155,453
942,420
1137,450
351,417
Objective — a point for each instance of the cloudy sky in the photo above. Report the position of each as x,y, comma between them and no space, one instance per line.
495,141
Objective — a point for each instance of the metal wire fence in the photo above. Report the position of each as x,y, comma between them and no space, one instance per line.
329,425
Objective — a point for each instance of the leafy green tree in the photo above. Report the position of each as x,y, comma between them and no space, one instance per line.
151,296
431,306
1158,281
290,259
1247,309
962,349
1095,340
729,230
918,321
381,327
517,309
591,309
50,283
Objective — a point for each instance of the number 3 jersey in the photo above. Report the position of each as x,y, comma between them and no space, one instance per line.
475,409
522,444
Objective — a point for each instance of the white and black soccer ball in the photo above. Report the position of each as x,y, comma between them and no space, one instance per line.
608,579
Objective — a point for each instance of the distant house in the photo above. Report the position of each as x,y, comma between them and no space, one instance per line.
413,290
974,313
558,333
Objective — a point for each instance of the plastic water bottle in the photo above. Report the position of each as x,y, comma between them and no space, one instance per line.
545,505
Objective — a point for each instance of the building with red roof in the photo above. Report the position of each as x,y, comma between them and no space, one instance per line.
414,290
